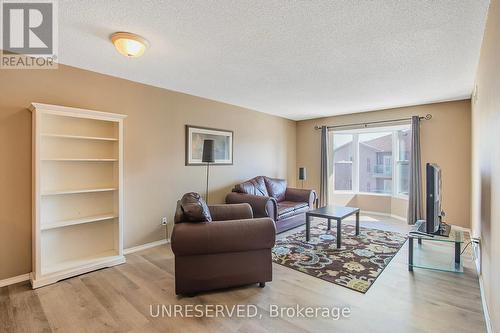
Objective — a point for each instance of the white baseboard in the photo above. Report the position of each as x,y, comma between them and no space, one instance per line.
485,306
476,255
14,280
145,246
477,261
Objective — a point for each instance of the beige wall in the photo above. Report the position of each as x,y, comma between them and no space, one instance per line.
445,140
373,203
155,175
399,207
486,162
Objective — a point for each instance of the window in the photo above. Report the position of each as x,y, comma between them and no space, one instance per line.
378,147
342,161
403,161
374,160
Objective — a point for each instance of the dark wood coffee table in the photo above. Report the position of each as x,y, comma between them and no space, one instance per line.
337,213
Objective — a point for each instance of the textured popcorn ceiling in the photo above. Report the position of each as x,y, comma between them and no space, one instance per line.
296,59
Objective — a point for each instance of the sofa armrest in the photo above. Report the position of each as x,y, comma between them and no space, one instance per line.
223,236
262,206
300,195
231,212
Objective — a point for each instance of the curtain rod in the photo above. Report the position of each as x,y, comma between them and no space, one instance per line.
426,117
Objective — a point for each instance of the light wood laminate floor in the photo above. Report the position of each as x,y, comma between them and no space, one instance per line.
118,299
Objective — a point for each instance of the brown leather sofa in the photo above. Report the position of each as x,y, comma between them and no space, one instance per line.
270,197
233,249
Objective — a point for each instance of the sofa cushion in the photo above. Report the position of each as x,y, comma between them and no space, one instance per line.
254,186
195,208
301,209
276,188
286,215
287,208
284,207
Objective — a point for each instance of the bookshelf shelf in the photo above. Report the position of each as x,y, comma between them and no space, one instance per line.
76,191
83,220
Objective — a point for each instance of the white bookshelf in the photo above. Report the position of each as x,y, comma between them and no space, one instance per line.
77,192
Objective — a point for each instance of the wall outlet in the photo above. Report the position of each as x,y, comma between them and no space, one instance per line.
164,221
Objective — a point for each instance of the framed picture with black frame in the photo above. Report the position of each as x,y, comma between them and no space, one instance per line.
223,142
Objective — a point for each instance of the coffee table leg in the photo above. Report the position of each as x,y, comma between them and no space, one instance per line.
339,235
357,223
457,253
308,222
410,253
329,224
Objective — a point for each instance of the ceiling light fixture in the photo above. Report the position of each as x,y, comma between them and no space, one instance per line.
129,44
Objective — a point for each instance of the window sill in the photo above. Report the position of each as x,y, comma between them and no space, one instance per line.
376,194
372,194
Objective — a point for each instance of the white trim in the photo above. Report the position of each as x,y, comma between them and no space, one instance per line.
476,252
74,112
375,194
487,320
477,261
121,186
344,192
145,246
14,280
395,158
355,164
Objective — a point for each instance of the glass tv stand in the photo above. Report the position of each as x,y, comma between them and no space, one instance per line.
435,256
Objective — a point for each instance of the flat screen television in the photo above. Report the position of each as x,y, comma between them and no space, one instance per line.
433,198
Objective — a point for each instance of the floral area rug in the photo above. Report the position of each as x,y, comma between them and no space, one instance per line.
356,265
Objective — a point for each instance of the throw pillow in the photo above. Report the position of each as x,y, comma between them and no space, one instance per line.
195,208
254,186
276,188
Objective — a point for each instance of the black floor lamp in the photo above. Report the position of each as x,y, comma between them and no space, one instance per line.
208,156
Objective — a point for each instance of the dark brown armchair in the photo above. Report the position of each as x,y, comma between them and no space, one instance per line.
272,198
232,250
